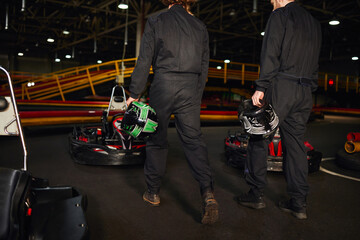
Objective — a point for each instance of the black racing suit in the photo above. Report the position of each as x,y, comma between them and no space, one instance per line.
288,75
176,44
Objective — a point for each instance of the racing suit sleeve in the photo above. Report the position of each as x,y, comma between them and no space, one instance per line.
204,65
140,74
271,50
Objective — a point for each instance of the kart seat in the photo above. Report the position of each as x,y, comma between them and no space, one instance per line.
13,185
118,99
117,103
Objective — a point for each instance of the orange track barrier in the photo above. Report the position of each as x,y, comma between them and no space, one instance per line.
47,86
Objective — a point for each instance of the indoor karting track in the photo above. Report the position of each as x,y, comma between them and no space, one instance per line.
116,209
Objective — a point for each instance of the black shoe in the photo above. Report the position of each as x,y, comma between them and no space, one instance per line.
251,200
210,212
298,212
151,198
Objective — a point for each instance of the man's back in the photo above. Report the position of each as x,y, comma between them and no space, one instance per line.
173,42
302,42
179,39
291,46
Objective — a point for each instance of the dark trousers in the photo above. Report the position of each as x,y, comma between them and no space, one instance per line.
176,94
292,102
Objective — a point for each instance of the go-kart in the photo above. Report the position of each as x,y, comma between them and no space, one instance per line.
107,144
236,147
29,207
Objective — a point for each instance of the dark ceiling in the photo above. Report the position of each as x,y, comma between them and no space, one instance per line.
97,27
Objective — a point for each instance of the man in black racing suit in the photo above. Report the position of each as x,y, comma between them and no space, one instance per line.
288,75
176,44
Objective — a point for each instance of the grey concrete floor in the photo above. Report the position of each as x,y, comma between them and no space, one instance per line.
116,209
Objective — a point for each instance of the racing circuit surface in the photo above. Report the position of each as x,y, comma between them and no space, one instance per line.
116,209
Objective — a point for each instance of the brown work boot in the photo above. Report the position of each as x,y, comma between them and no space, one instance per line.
210,212
151,198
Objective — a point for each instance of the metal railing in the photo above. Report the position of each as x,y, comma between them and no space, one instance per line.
74,79
339,81
47,86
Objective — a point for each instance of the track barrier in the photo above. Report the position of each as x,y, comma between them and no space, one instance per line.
352,147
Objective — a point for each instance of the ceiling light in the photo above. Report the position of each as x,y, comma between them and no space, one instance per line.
262,33
123,5
50,40
23,5
99,61
334,22
218,67
67,56
66,32
226,61
355,58
20,54
232,12
57,60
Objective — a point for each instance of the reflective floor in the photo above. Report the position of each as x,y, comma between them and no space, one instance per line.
116,209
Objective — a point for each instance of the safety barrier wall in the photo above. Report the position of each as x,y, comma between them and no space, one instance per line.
59,83
47,86
338,81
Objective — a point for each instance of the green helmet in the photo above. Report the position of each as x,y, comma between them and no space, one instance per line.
139,120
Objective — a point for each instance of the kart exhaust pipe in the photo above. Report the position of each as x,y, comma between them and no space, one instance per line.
352,147
353,136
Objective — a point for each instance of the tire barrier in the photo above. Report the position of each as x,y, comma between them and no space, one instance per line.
353,142
353,136
335,173
349,157
349,161
352,147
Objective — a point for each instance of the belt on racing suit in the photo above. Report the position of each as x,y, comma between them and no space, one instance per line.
300,80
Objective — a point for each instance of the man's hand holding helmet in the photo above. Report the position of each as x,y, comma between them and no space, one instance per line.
257,97
130,100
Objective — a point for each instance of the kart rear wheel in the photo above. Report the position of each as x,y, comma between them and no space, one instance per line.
348,160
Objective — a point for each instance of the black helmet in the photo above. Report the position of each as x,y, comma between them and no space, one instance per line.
139,120
258,121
